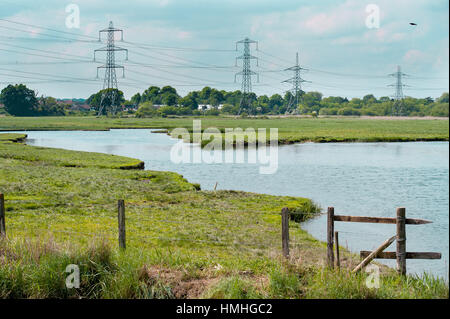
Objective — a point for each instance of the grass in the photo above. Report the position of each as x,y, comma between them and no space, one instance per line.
61,208
50,157
290,130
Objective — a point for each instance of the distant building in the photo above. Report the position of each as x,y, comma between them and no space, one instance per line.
82,107
205,107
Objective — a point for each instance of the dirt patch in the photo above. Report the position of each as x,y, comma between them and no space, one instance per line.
182,285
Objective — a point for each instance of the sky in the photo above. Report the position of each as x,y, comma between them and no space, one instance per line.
191,44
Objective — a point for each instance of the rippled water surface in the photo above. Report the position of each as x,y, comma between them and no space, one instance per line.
370,179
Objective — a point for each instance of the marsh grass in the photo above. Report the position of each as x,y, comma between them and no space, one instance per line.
181,242
290,130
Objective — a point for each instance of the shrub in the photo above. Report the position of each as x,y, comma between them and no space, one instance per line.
146,109
212,112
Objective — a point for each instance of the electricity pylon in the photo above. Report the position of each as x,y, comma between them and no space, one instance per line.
397,108
246,73
110,89
296,90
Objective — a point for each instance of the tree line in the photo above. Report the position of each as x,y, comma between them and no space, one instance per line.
19,100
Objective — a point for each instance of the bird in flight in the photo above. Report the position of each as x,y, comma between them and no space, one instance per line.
412,23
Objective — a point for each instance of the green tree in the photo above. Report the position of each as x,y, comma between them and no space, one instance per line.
152,95
311,99
443,98
369,99
275,101
146,109
136,99
168,110
49,106
440,109
95,99
189,101
215,97
19,100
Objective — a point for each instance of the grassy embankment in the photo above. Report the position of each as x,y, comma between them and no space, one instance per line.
181,242
290,130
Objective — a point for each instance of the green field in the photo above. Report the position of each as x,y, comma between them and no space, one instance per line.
290,130
61,208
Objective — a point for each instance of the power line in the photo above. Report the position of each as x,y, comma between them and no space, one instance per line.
41,55
186,76
47,35
43,63
45,51
172,56
173,48
49,29
169,79
49,75
275,57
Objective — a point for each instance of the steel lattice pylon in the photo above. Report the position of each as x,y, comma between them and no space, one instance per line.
397,108
246,73
109,100
296,81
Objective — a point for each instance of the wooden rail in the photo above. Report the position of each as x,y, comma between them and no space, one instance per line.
378,220
372,254
409,255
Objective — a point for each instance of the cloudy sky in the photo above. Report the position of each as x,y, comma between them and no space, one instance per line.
190,44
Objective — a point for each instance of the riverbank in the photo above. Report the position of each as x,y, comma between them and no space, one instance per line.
181,242
290,130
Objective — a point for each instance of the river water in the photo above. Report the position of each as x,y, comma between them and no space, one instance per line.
368,179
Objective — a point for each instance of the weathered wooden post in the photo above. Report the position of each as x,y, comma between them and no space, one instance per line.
2,215
336,240
401,241
121,218
285,231
330,232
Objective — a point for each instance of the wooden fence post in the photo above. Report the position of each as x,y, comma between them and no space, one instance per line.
285,231
401,241
2,215
330,233
121,218
336,240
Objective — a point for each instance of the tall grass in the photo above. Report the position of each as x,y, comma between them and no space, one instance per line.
36,269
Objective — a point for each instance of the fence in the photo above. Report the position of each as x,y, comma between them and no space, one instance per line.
400,254
126,235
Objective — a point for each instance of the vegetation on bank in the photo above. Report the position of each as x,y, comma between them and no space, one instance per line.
163,102
290,130
181,242
46,156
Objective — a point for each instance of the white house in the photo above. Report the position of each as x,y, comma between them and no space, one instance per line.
204,107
